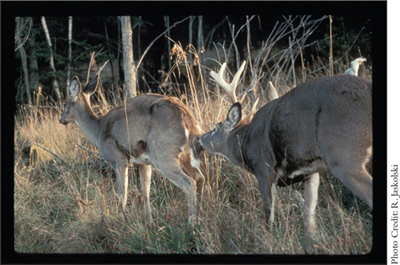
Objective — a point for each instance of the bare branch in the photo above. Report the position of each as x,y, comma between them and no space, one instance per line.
101,68
162,34
88,149
49,152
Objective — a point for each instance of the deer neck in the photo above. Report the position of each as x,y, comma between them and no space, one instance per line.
236,148
87,121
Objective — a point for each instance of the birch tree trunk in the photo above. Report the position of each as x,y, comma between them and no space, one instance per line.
69,53
23,58
55,84
129,63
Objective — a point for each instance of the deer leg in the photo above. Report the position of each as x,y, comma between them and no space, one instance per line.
311,186
267,189
145,181
358,180
172,171
352,172
122,181
196,175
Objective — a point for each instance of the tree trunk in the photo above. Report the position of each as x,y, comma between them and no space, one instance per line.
69,53
120,75
33,64
129,64
200,41
166,20
191,37
23,58
138,36
55,84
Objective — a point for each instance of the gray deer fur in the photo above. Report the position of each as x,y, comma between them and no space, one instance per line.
147,130
323,123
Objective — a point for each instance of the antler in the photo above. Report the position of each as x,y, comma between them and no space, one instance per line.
274,94
229,88
251,113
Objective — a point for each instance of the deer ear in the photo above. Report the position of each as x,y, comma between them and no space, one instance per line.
234,116
75,87
90,87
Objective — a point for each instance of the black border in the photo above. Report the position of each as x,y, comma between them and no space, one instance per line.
377,10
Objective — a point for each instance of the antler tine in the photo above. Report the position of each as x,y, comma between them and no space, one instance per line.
241,101
229,88
274,94
254,107
250,115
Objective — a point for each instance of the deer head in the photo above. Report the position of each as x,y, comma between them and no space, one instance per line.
216,141
78,99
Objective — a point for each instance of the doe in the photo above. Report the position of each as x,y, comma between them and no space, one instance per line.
149,129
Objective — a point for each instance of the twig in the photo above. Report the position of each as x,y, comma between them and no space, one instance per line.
88,149
90,65
49,152
233,243
151,44
49,107
101,68
291,57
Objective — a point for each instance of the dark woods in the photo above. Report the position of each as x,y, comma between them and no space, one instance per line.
45,70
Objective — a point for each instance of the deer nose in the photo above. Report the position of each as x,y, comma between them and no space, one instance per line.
62,121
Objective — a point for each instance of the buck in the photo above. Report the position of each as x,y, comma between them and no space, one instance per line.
323,123
149,129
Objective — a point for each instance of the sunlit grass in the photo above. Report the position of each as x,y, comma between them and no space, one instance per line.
71,207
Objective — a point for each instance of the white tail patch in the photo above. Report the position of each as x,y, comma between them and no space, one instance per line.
194,162
187,133
369,150
187,140
200,129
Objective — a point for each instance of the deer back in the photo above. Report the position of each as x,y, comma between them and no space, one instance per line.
292,127
158,121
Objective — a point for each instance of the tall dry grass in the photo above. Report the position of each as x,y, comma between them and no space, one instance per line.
65,197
